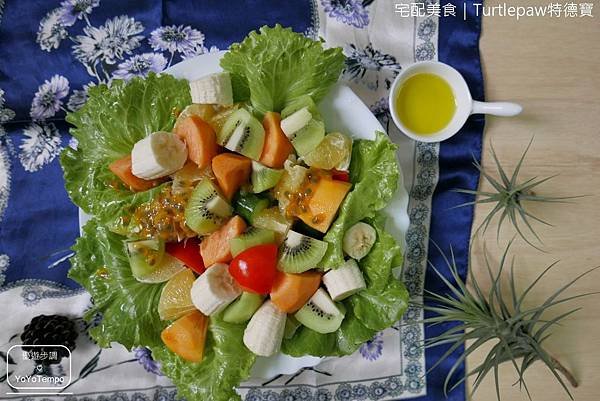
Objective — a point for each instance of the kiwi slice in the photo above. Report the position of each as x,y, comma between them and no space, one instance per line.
236,119
263,177
300,253
198,215
144,256
291,325
248,139
321,314
299,103
253,236
309,137
242,309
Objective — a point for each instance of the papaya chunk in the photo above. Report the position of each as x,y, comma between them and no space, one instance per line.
277,146
199,138
323,205
122,169
187,336
291,291
215,248
232,171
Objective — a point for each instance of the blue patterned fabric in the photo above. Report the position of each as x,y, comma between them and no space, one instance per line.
459,47
49,56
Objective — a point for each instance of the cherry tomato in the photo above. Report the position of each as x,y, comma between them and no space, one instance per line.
340,175
188,251
255,268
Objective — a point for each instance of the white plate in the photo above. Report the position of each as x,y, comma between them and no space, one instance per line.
342,111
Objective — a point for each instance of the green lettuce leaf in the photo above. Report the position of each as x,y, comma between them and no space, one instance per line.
106,128
129,311
128,307
275,66
374,171
385,299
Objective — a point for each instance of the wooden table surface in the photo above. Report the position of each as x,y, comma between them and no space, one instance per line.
552,68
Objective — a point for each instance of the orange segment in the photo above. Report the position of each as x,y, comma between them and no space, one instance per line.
175,298
334,151
204,111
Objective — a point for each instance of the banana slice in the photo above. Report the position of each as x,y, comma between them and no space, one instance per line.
214,290
158,155
294,123
359,240
264,332
212,89
344,281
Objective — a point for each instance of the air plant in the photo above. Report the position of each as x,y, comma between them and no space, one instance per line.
510,197
519,331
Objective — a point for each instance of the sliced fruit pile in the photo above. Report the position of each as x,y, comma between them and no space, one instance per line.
236,229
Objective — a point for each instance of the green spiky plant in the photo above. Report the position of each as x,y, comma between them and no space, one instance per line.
510,197
519,331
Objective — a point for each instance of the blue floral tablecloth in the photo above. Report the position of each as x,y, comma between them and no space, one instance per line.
52,52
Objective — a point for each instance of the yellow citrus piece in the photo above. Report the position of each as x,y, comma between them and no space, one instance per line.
175,299
204,111
272,219
168,267
333,152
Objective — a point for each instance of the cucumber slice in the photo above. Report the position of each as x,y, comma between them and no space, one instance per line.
291,325
252,237
145,255
300,103
249,205
263,177
248,139
242,309
309,137
235,120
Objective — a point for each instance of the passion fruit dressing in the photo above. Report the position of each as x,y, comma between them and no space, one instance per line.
425,103
298,198
163,217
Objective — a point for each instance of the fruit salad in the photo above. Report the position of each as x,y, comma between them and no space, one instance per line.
228,221
253,215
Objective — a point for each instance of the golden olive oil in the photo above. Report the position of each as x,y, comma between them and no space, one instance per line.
425,103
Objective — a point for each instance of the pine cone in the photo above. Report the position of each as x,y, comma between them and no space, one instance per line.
50,330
